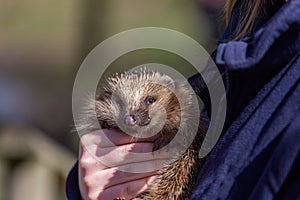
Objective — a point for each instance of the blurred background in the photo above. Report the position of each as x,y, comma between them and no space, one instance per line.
42,44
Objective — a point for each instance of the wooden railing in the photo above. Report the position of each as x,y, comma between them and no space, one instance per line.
32,165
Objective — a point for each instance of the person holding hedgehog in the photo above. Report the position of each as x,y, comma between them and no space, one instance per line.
257,156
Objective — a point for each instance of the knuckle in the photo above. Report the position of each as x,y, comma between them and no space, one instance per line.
125,150
92,192
92,196
127,190
86,161
86,182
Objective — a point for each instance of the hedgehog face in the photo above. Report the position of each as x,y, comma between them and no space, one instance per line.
140,101
140,114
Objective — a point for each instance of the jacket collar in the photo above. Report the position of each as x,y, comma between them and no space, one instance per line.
274,43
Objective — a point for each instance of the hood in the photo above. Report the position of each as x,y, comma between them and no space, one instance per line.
248,64
275,42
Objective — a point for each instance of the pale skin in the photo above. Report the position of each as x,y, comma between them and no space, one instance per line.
97,181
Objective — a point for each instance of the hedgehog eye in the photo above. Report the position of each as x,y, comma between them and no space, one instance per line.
150,100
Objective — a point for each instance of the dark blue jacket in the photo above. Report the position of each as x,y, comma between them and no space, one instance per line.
257,156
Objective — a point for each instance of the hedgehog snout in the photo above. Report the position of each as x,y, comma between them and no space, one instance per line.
138,117
130,120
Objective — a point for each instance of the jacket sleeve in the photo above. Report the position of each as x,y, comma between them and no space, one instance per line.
72,187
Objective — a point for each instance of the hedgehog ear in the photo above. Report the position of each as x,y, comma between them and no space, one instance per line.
168,82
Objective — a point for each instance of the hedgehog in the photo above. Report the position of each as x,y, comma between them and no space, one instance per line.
143,102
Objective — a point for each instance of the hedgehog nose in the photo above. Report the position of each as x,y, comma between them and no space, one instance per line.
130,120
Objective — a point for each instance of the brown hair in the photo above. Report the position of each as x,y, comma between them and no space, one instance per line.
249,12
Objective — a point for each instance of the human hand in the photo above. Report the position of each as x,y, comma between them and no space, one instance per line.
97,180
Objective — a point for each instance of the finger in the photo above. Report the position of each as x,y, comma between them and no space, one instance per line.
93,180
128,190
110,137
130,153
88,166
125,173
93,171
89,162
105,138
115,176
102,158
